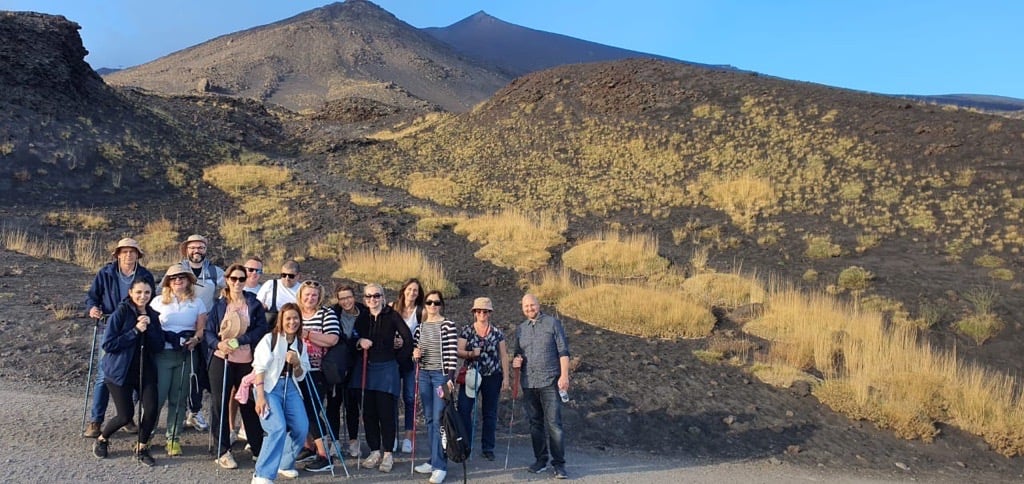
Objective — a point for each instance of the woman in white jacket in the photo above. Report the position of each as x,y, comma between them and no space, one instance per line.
279,364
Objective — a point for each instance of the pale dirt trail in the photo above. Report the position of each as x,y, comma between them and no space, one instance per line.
38,442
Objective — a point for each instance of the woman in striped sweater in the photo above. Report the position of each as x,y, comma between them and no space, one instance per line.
435,344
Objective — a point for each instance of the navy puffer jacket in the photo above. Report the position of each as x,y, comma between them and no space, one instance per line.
121,342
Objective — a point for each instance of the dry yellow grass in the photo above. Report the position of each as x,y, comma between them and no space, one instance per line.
161,242
613,255
263,194
87,220
552,285
780,375
393,267
514,239
727,290
329,246
639,310
364,199
417,125
444,191
240,180
743,199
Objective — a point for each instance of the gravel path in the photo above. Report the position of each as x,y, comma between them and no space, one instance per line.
30,455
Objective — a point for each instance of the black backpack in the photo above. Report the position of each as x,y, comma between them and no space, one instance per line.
453,433
337,362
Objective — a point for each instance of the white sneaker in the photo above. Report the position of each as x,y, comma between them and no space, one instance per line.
196,421
407,446
227,461
424,468
353,449
288,473
372,460
437,477
260,480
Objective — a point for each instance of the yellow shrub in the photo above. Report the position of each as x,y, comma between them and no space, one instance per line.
514,239
392,268
609,254
728,290
744,199
640,311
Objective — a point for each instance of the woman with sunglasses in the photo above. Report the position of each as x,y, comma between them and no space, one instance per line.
409,305
482,345
279,363
435,345
379,349
183,319
133,335
234,325
320,331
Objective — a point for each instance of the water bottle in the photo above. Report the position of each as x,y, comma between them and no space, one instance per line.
564,395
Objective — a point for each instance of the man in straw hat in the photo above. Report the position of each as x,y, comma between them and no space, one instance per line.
209,281
108,289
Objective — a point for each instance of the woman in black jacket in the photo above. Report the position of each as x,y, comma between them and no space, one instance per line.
234,325
384,338
133,335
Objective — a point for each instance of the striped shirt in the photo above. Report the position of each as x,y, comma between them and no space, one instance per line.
439,343
324,321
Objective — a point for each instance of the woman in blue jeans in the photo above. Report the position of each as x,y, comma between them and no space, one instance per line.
434,348
279,363
483,347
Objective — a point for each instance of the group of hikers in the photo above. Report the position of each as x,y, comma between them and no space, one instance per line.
280,365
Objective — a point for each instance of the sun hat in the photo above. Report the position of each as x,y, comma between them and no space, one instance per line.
231,326
175,270
483,303
472,382
130,243
192,238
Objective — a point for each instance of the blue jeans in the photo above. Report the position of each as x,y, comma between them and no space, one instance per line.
544,410
489,391
100,394
287,418
408,395
432,406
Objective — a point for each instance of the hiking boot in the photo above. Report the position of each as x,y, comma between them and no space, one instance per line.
130,427
560,472
306,455
142,455
372,460
407,446
227,461
92,430
319,464
437,477
173,448
196,420
537,467
288,473
100,448
488,455
353,449
424,468
386,463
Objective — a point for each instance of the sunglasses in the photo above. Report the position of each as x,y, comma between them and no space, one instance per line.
484,311
288,276
237,279
311,283
177,277
252,269
373,296
433,302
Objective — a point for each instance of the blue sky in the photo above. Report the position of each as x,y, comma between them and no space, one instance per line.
886,46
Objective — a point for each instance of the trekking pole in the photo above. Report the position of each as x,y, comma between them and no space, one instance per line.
328,437
362,404
177,410
415,395
512,417
142,367
88,379
223,401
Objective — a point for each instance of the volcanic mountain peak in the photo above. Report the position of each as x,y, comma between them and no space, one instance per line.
342,50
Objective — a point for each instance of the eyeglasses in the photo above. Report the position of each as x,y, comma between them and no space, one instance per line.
177,277
237,279
483,311
288,276
253,269
345,298
433,302
311,283
373,296
197,248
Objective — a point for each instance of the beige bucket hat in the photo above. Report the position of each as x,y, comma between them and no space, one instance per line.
192,238
482,303
130,243
175,270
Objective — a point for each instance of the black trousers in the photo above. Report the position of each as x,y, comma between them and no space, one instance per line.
121,395
379,419
221,392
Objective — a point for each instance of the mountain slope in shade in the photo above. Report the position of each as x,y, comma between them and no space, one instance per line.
342,50
519,50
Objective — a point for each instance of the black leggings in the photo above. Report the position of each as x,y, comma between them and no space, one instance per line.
352,402
335,400
379,419
121,395
253,429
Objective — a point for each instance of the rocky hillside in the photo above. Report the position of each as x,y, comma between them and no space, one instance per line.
342,50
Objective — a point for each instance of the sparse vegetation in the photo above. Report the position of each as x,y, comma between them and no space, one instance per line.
391,268
514,239
616,256
640,311
364,200
87,220
821,247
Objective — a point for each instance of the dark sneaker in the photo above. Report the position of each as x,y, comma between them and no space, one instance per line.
131,428
320,464
143,456
488,455
100,448
538,467
560,472
92,430
305,455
